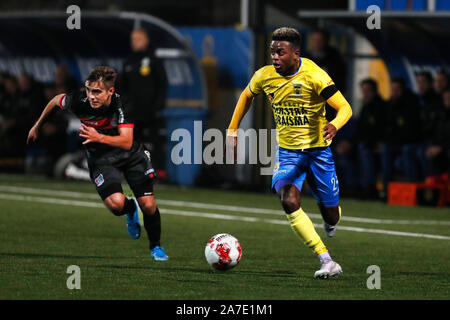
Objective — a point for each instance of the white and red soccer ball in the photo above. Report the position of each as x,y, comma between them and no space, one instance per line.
223,251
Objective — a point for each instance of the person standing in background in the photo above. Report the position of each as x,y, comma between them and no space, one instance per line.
64,81
330,60
143,83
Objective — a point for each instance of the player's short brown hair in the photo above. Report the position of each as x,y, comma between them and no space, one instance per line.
290,35
105,74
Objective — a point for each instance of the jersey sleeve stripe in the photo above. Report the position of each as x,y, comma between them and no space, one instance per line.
60,101
250,88
126,125
328,92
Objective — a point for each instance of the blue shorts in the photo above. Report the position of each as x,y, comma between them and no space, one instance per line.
316,165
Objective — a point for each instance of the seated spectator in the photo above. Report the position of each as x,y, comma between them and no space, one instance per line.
31,95
370,136
431,105
42,156
345,158
403,133
427,96
441,82
439,150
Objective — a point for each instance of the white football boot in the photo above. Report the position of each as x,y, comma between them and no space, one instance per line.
329,229
328,269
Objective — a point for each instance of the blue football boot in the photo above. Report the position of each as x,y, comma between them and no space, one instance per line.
158,254
133,224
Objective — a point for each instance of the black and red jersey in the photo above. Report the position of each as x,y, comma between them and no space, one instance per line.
106,120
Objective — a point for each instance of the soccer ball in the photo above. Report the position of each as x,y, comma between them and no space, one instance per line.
223,251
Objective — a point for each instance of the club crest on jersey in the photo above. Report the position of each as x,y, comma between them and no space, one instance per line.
145,67
297,89
99,180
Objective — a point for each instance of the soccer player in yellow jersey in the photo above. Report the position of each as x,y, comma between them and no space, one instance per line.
298,89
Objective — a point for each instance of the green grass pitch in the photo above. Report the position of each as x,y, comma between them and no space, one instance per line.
47,225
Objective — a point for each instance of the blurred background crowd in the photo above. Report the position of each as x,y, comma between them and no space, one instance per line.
22,100
396,80
405,137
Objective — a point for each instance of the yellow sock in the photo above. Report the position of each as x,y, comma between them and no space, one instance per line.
304,229
340,214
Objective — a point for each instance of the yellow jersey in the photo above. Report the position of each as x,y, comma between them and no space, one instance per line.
298,108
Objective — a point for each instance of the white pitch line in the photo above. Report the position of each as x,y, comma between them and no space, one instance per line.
240,209
200,205
52,201
49,192
214,216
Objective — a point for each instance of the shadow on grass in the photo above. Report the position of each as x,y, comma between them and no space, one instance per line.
275,273
46,255
421,274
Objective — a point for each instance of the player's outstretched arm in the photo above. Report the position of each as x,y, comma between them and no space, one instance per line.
344,113
124,140
51,105
243,105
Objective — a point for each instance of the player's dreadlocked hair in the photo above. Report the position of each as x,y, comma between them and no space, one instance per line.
105,74
287,34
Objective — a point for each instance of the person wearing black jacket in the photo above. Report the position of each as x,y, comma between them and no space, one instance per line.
370,135
439,150
143,84
403,133
330,60
431,107
441,82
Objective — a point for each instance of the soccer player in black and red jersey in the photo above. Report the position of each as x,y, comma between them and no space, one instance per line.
112,150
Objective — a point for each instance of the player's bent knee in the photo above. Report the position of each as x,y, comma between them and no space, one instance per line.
290,198
116,209
290,205
115,203
147,206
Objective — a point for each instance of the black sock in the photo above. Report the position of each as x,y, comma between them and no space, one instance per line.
129,206
152,224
